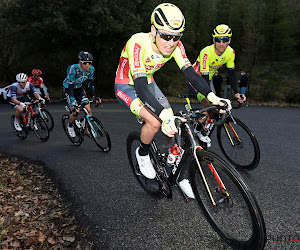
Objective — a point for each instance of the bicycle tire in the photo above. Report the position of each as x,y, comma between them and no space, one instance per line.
236,217
151,186
78,139
99,135
40,127
48,118
21,134
242,150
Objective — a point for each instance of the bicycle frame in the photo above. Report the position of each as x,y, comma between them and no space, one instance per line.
192,152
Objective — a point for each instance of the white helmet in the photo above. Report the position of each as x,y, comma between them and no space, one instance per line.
21,77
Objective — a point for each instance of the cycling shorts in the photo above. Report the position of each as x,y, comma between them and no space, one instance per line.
21,99
127,97
79,95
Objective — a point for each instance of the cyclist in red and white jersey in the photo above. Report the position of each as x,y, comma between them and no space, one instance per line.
38,82
135,88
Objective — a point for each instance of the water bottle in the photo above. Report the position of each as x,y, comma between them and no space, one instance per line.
174,152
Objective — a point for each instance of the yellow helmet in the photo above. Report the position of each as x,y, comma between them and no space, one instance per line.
222,30
168,17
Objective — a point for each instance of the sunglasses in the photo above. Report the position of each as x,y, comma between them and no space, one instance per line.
224,39
21,82
87,62
168,37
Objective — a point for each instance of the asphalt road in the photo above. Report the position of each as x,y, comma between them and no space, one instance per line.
106,197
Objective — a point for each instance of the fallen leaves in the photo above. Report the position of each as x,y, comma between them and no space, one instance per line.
33,215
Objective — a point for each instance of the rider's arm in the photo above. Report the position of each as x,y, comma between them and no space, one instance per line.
233,80
197,81
91,87
141,88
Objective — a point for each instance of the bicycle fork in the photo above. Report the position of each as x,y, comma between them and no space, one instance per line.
216,176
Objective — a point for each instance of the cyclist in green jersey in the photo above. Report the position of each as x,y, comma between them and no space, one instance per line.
212,57
135,88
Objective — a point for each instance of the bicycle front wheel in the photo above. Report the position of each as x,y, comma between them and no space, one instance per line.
21,134
78,139
45,114
153,187
39,127
99,134
238,144
227,202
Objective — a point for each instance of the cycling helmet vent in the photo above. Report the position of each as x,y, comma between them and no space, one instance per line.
21,77
168,17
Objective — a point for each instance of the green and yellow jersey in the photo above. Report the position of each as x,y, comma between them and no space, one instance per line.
138,59
208,62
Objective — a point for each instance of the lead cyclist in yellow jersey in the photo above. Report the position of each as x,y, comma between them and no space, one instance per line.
135,88
212,57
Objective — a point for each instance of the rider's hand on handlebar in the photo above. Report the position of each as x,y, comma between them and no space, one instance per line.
42,100
221,103
168,126
22,104
240,98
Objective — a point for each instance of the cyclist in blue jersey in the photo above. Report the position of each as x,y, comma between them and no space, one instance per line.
78,75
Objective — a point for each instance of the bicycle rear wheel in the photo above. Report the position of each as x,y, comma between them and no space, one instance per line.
228,204
238,144
21,134
153,187
45,114
99,134
78,139
39,127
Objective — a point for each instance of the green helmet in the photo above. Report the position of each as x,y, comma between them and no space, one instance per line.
222,30
168,17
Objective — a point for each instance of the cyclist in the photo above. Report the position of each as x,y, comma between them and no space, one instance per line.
37,82
212,57
135,88
16,98
77,75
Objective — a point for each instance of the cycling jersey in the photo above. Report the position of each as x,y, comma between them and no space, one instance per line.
36,83
138,59
208,61
15,90
138,63
77,77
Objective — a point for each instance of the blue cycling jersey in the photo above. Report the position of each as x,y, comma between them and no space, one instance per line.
76,77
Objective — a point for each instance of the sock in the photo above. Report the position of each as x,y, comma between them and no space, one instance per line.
144,149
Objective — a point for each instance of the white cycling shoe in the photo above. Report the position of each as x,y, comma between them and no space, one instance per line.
145,165
186,187
17,124
71,131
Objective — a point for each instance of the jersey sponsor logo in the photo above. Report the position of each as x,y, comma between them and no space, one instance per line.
123,64
122,73
181,47
158,66
148,60
124,97
136,55
204,61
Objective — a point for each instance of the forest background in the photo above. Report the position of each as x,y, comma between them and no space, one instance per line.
48,34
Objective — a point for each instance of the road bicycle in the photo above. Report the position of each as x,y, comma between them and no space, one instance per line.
237,142
222,195
45,114
88,126
32,121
